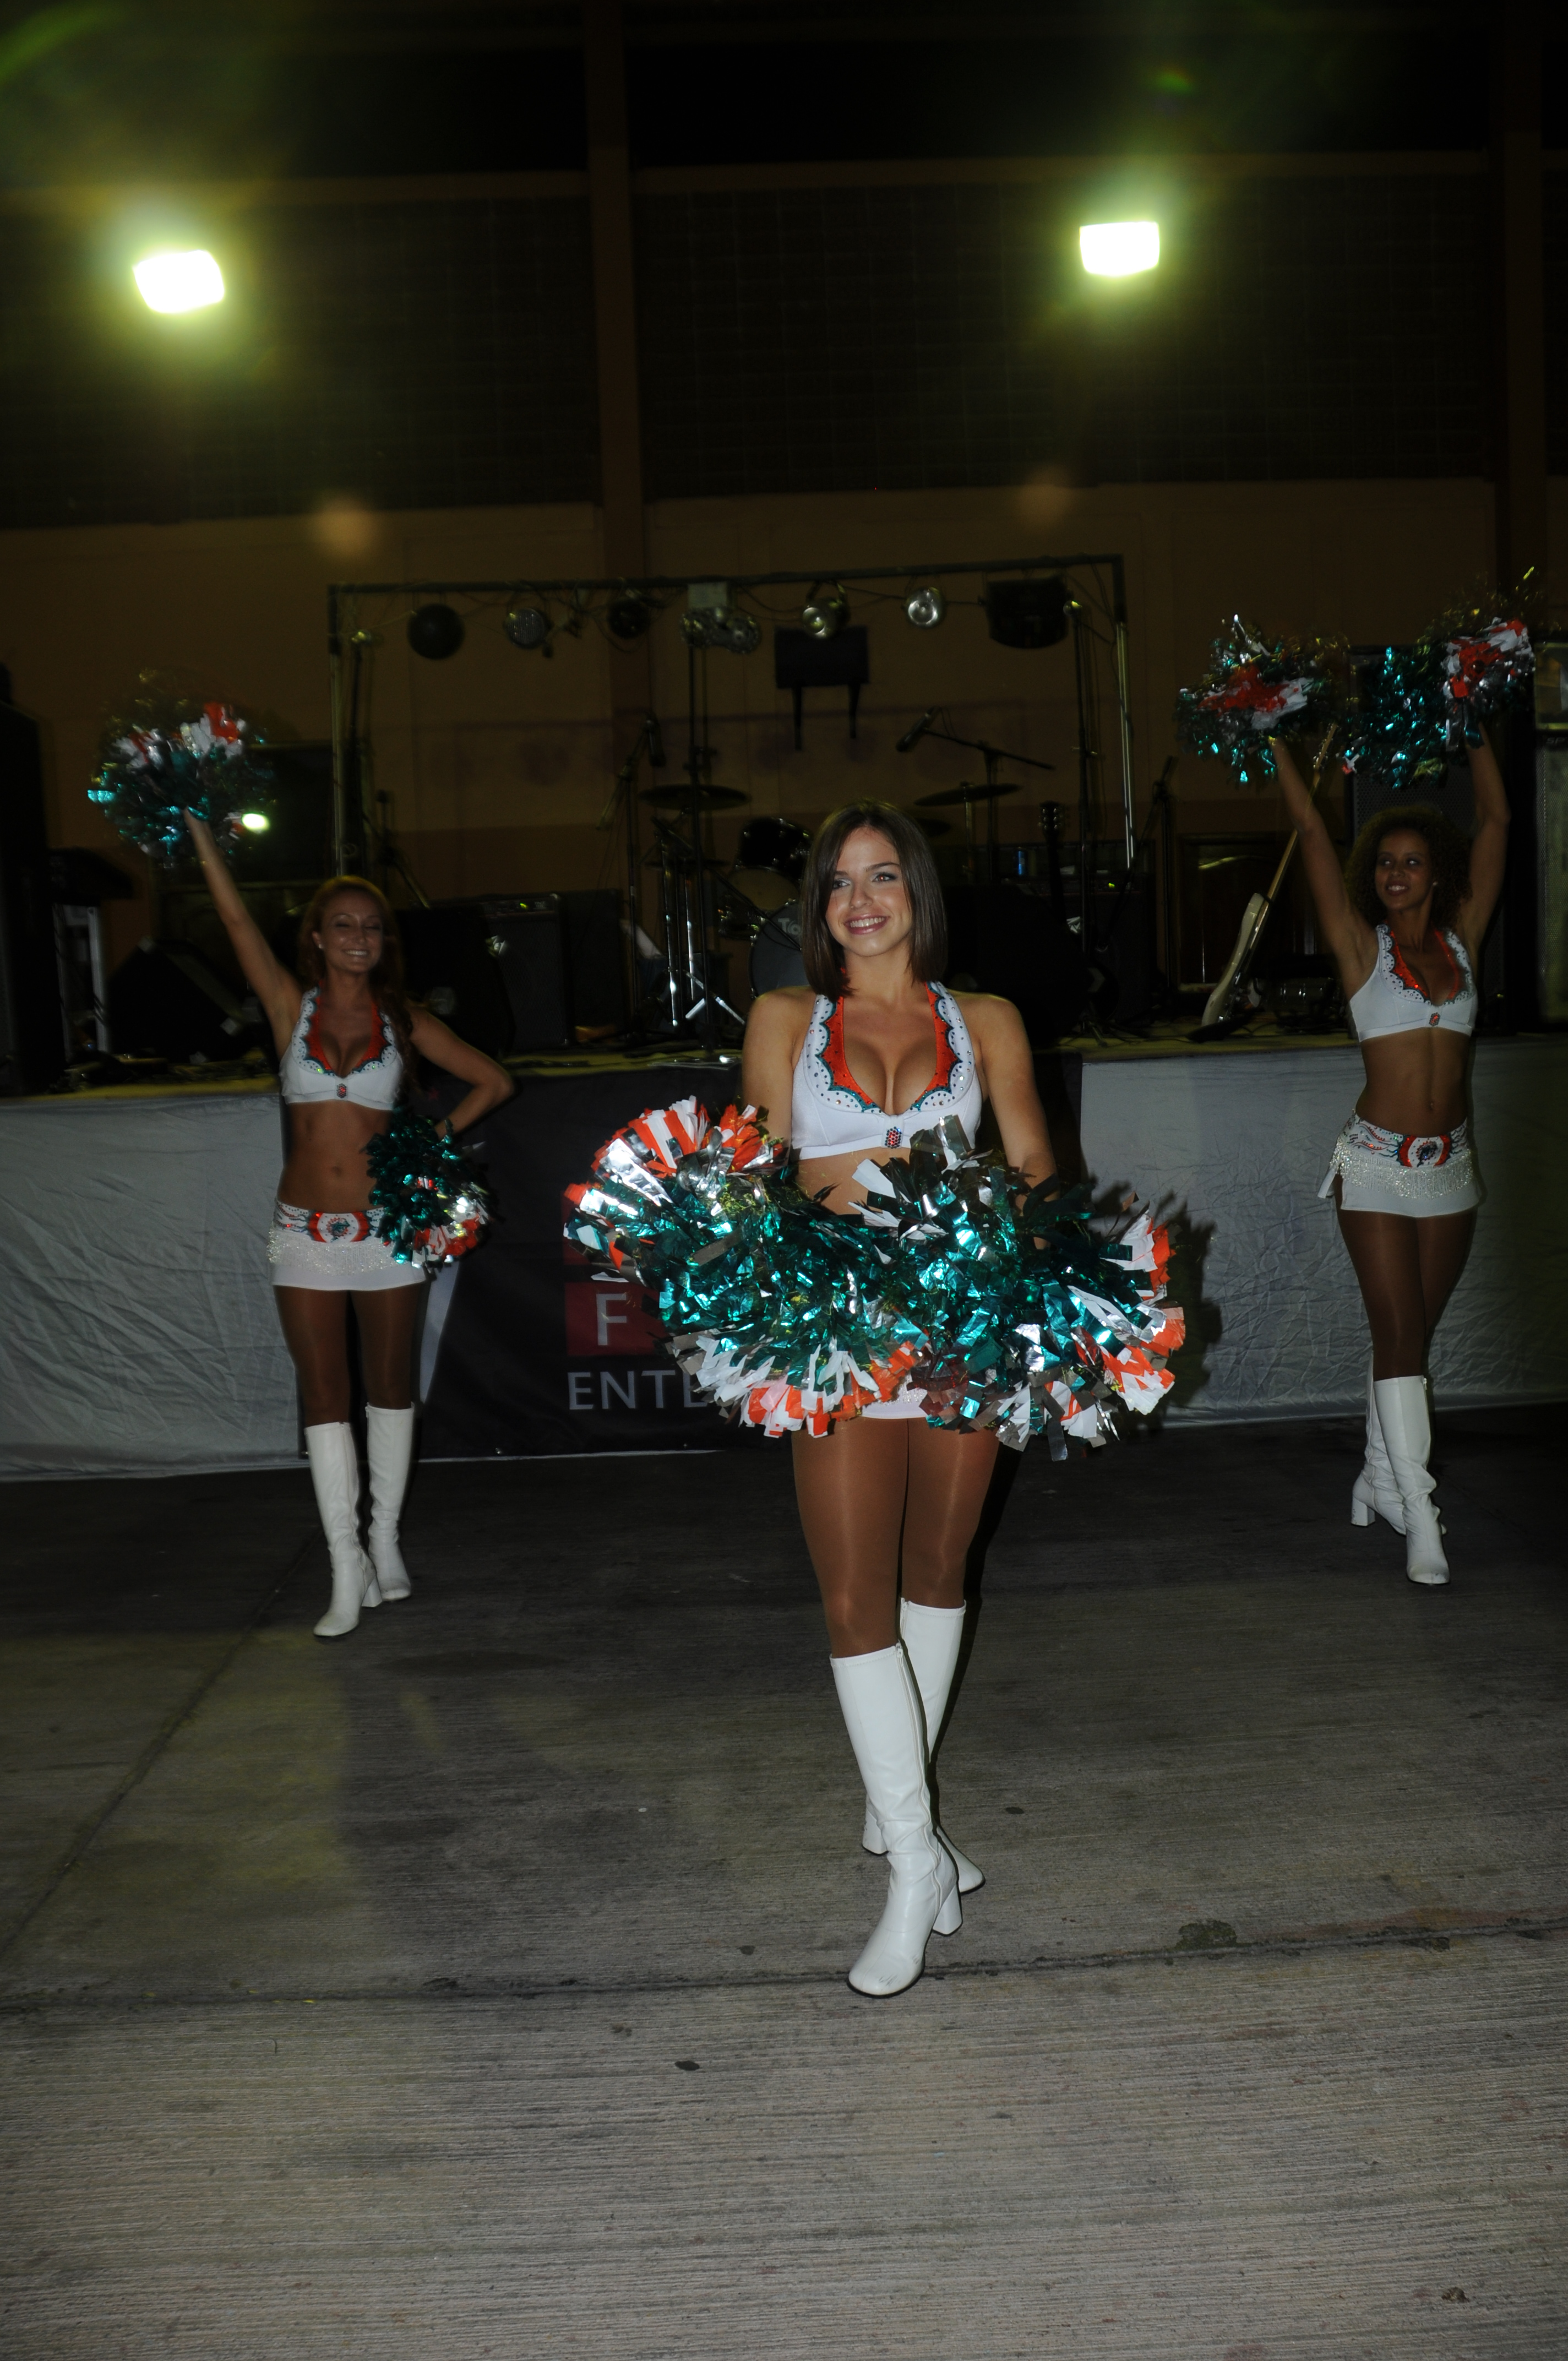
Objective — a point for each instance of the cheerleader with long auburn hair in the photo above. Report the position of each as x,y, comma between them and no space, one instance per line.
348,1041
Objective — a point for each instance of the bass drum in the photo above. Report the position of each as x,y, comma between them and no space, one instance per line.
776,951
775,844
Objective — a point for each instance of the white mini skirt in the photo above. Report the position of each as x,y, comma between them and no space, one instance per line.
338,1252
1413,1173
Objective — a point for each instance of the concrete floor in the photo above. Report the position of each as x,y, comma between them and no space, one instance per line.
475,1985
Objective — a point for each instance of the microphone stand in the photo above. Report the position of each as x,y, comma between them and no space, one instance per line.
623,793
993,756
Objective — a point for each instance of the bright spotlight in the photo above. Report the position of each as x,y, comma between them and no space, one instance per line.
256,822
1116,249
179,282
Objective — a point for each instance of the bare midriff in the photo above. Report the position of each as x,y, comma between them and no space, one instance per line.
326,1170
1415,1080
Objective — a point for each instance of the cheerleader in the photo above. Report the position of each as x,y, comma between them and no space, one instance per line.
347,1041
1405,919
847,1068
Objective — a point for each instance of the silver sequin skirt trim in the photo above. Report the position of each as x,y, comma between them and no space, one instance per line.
1413,1173
334,1252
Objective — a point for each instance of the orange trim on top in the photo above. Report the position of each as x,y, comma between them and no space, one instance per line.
314,1054
838,1063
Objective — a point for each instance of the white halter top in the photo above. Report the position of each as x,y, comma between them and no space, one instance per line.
1393,999
831,1115
305,1076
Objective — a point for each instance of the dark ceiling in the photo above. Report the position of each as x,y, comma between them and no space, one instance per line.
110,90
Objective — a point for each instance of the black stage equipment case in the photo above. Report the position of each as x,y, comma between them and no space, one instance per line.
32,1028
520,972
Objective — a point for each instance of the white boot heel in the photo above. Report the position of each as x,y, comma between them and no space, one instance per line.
334,1473
389,1442
881,1706
1406,1430
932,1636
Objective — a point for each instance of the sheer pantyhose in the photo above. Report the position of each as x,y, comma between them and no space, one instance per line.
879,1497
316,1329
1407,1270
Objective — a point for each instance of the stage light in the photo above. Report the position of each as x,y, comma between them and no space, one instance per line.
179,282
527,627
926,608
1027,614
435,632
734,630
1117,249
255,823
824,619
628,618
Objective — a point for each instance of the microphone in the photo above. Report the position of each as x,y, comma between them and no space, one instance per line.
913,736
654,739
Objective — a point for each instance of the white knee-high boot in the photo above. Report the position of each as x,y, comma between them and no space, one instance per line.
932,1637
881,1705
1406,1430
335,1472
390,1441
1374,1493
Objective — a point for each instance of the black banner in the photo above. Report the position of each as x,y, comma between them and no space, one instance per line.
535,1353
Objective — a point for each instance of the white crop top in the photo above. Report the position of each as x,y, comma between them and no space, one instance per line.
1392,1000
305,1076
831,1115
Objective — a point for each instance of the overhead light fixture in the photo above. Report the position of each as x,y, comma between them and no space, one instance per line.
527,627
628,618
1117,249
926,608
257,823
435,632
711,621
179,282
825,617
734,630
1031,613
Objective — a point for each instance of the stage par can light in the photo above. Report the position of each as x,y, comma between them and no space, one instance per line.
179,282
527,627
435,632
1118,249
733,630
255,823
1027,614
925,609
825,617
628,618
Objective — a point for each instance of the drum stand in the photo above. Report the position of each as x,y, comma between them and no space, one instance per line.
695,1002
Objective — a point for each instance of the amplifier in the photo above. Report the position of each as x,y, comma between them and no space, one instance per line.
494,968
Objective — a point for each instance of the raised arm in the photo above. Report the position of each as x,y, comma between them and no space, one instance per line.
1008,1074
277,990
1488,849
1344,931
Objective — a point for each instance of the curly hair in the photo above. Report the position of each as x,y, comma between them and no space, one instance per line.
386,978
928,934
1448,849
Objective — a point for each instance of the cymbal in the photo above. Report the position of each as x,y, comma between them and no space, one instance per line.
694,798
970,791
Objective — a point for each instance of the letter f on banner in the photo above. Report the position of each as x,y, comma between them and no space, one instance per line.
612,1313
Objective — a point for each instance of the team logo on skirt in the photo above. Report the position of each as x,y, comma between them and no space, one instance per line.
338,1229
1424,1151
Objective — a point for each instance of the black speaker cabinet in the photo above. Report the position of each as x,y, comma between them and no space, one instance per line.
32,1027
494,969
165,1001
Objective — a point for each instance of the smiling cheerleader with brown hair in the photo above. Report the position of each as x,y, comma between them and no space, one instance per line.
348,1039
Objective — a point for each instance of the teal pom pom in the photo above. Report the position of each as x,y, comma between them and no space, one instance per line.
172,752
432,1203
1255,690
1428,700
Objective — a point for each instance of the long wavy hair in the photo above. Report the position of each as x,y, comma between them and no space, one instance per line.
386,978
928,937
1447,848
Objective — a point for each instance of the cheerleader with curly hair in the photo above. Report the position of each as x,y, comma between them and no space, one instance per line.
1405,919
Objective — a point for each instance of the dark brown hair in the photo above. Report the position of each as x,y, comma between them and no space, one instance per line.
1447,848
928,938
386,978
